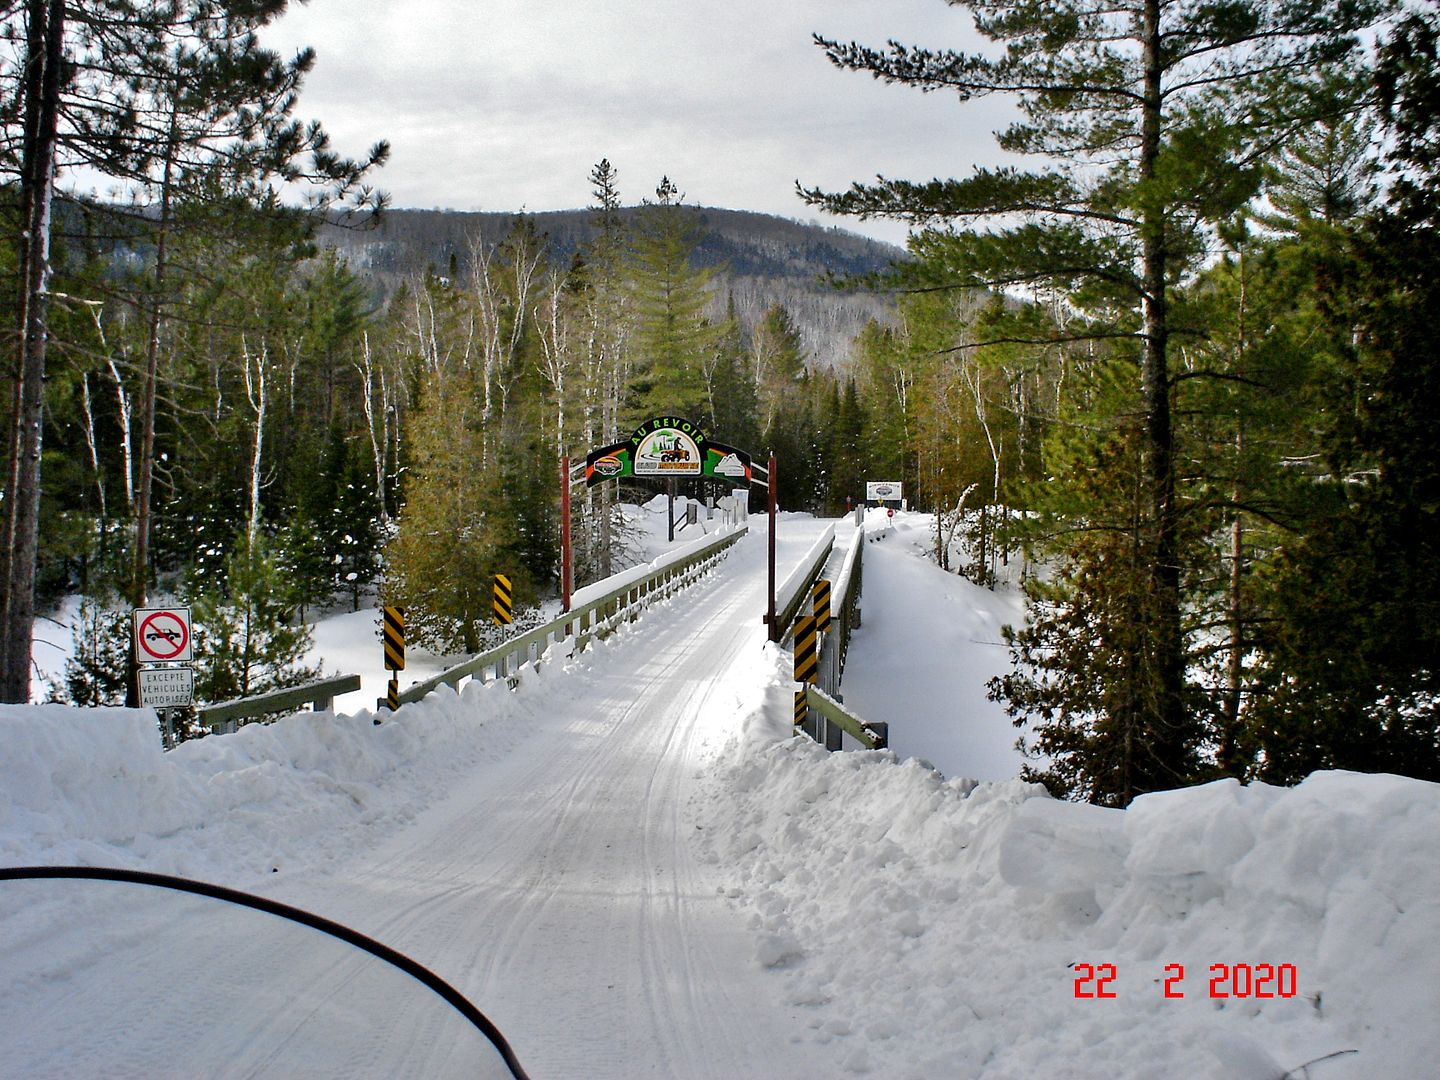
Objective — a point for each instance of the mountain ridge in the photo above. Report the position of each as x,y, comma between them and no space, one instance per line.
761,259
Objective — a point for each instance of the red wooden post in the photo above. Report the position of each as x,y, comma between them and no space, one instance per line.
565,554
770,611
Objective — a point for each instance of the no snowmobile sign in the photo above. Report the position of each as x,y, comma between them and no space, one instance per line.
162,635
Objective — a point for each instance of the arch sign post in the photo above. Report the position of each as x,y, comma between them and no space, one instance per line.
662,448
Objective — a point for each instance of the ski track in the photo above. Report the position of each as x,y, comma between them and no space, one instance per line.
557,887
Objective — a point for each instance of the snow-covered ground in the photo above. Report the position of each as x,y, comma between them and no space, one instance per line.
929,642
633,868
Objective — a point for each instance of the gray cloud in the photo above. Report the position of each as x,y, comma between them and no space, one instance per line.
504,104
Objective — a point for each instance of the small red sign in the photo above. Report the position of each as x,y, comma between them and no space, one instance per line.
162,635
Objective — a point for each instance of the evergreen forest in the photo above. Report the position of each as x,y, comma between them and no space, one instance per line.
1174,374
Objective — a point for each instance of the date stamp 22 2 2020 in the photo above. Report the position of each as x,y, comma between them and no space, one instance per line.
1243,981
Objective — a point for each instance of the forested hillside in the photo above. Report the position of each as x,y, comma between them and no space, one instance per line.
760,260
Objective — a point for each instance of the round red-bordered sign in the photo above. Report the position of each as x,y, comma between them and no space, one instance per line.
162,636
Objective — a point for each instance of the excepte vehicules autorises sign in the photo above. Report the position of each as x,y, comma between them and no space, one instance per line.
169,687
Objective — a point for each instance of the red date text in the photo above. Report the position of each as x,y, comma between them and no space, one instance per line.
1227,981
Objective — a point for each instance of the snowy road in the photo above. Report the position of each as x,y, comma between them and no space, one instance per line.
558,887
603,859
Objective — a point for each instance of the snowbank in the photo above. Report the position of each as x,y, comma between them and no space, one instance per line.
936,927
925,927
93,787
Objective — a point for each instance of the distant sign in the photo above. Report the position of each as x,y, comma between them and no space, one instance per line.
162,635
884,491
167,687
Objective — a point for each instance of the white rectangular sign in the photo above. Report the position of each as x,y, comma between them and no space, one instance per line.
162,635
167,687
884,491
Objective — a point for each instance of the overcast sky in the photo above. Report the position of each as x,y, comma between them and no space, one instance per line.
507,104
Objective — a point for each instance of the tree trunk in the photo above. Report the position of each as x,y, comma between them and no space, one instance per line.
256,390
1227,755
1164,568
44,59
140,583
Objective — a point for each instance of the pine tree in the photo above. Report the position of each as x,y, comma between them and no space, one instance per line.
673,340
1352,648
166,98
1158,118
248,638
97,670
849,453
1080,690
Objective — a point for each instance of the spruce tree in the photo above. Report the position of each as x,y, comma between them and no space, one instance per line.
1352,649
673,340
1158,117
248,637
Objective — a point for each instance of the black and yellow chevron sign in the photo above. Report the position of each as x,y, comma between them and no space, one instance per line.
503,604
394,638
821,596
802,707
392,694
807,664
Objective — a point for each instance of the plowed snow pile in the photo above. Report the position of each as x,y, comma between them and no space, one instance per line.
909,925
935,927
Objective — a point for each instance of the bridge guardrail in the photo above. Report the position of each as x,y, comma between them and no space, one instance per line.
593,616
796,589
873,736
845,602
826,722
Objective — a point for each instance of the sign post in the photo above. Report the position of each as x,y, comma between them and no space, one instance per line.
163,648
393,639
806,665
770,611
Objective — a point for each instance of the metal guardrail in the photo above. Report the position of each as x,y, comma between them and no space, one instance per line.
593,618
873,736
318,695
787,607
826,716
845,603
